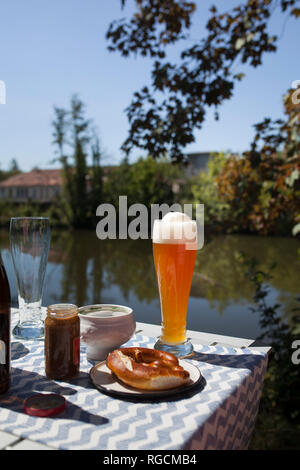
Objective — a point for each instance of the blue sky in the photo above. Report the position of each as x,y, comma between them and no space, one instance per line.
52,49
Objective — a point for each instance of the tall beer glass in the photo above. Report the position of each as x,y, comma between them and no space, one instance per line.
29,246
174,249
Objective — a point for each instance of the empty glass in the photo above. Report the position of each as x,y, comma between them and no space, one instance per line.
29,246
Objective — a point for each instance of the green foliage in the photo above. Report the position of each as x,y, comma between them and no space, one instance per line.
82,191
263,187
164,115
96,176
204,190
146,181
258,193
281,399
55,211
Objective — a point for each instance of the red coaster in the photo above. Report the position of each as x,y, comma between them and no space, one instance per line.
44,405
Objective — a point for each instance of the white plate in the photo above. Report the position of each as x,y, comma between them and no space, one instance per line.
107,382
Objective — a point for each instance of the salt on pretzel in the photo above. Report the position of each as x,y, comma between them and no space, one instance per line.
147,369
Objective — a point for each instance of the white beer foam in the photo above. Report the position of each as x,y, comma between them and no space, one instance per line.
176,228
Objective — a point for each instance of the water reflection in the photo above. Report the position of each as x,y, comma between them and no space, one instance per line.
89,266
220,272
85,270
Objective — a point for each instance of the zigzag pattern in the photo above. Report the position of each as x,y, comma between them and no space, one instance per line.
220,416
232,425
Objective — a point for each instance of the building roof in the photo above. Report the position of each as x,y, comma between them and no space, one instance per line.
34,178
198,154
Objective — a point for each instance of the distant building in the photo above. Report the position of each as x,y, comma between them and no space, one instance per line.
44,185
197,162
36,185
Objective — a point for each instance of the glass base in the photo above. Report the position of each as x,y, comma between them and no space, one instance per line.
179,350
29,330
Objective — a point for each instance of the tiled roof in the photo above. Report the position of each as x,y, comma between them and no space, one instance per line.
34,178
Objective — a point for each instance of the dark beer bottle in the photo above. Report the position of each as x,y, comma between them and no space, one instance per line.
4,330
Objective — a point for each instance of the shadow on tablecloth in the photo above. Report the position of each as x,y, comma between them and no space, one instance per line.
18,350
237,361
26,383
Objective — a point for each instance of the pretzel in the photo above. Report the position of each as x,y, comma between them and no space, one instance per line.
147,369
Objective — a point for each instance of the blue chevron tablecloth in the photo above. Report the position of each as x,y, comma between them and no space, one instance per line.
219,415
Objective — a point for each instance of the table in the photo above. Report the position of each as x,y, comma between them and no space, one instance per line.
219,415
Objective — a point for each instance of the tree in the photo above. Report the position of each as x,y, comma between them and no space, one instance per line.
60,123
146,181
82,183
278,424
14,167
164,116
80,135
263,188
204,190
60,126
95,195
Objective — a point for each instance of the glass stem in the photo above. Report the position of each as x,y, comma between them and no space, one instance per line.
30,313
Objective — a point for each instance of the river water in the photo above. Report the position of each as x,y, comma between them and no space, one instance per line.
84,270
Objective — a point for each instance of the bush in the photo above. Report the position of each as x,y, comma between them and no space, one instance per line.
204,190
146,181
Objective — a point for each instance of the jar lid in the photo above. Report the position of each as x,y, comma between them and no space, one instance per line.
62,310
44,405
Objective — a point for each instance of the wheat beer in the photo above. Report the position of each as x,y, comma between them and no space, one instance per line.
174,250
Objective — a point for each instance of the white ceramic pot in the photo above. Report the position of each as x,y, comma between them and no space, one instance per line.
105,327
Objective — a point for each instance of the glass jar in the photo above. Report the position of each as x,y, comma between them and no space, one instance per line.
62,341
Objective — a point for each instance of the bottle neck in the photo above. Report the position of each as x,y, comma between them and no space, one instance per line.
4,287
